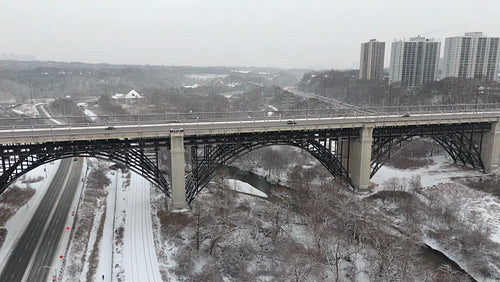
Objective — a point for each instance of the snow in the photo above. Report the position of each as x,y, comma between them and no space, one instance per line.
47,114
471,202
240,71
18,112
243,187
273,108
132,94
440,171
106,255
207,77
140,262
14,229
90,114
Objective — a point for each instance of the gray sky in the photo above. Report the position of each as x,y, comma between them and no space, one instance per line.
319,34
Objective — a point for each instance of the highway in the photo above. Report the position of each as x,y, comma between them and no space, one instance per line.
327,100
37,245
32,255
153,130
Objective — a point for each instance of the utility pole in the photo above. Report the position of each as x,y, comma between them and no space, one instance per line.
479,89
390,96
31,93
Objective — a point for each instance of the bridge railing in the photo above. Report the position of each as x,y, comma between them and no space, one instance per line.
111,120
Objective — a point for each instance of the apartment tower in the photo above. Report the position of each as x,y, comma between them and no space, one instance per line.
471,56
372,60
414,62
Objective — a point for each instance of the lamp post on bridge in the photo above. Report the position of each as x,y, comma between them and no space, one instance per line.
479,89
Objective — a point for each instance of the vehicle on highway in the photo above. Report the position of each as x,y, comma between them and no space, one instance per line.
176,130
406,115
109,128
75,159
291,122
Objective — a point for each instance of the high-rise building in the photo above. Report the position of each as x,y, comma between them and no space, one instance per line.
372,60
414,62
471,56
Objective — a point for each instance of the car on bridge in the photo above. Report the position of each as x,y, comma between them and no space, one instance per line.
291,122
109,128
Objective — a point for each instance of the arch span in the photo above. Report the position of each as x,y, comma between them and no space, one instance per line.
208,159
462,144
137,158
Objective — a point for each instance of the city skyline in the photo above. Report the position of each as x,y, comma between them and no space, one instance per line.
317,34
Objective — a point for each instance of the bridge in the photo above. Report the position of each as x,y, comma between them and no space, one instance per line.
352,148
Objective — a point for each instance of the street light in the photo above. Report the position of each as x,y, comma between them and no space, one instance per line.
479,89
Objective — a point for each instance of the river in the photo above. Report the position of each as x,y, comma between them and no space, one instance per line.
430,256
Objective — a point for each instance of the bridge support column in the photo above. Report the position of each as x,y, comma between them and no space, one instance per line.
177,168
490,148
360,152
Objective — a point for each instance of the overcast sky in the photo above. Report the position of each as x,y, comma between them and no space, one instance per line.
318,34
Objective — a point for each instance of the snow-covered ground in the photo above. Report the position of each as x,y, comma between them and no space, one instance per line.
106,249
442,170
23,215
90,114
126,249
243,187
438,178
140,261
48,114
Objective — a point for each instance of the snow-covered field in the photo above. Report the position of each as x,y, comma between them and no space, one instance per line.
126,249
244,187
140,261
90,114
475,208
442,170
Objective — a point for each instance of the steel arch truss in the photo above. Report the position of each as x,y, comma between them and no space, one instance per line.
207,159
140,156
462,142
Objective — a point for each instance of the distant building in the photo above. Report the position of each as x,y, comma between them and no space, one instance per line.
371,64
130,95
414,62
471,56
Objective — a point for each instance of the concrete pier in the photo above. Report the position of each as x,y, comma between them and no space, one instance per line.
177,167
490,150
360,153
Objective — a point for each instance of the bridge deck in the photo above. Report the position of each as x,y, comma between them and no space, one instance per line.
80,132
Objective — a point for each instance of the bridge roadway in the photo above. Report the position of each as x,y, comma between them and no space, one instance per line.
41,134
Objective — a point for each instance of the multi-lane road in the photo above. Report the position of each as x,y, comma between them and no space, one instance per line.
32,256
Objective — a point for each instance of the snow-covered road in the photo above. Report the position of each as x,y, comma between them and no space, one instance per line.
140,261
